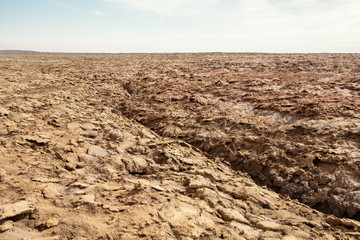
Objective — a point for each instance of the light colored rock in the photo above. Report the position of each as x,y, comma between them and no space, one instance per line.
90,134
52,222
89,198
73,126
40,139
3,112
114,208
115,135
245,230
270,235
231,215
2,175
7,225
158,188
98,152
15,209
183,220
86,158
89,127
111,186
335,221
289,237
198,182
270,226
70,166
44,223
135,164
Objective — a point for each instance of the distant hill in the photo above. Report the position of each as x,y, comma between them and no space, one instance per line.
19,52
27,52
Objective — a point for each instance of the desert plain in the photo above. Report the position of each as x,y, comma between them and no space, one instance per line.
180,146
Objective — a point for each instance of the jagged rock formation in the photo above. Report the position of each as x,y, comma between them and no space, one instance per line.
295,132
74,167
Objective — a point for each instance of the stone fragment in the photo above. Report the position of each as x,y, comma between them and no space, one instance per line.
39,140
136,164
114,208
90,199
59,156
158,188
43,224
3,131
270,226
79,185
55,123
98,152
237,193
115,136
299,234
136,150
73,126
90,134
289,237
111,186
198,182
335,221
89,127
44,179
80,165
231,215
2,175
3,112
86,158
245,230
270,235
7,225
79,192
52,222
180,216
15,209
70,166
53,191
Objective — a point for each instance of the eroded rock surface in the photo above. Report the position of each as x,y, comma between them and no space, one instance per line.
74,167
295,130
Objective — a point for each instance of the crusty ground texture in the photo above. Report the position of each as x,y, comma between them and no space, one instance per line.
179,146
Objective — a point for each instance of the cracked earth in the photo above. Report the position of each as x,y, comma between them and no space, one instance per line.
180,146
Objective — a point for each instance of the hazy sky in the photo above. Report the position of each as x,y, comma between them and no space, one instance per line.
181,25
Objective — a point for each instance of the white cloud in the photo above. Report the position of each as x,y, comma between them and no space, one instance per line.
291,17
256,25
169,7
60,3
99,13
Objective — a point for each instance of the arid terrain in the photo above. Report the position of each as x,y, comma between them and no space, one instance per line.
180,146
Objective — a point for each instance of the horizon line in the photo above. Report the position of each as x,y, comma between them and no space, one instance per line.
36,52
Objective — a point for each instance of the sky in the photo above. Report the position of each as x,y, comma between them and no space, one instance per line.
121,26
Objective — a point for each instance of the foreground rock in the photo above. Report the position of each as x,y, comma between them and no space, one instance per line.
14,210
125,181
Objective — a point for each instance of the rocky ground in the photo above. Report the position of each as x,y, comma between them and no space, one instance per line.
179,146
291,122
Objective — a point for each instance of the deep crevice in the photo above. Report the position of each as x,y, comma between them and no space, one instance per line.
242,164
